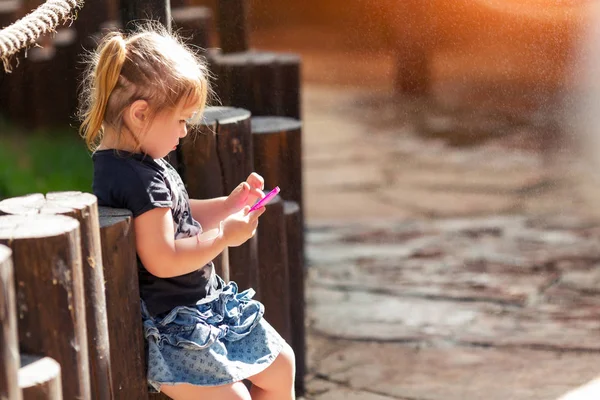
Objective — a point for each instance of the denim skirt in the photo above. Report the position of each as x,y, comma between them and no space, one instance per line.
218,341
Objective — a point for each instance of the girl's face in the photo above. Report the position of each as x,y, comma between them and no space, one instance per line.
165,130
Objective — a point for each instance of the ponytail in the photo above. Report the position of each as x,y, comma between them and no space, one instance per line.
103,81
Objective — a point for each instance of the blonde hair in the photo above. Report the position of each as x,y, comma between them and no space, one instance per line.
150,64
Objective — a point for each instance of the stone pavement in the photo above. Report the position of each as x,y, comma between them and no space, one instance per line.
442,272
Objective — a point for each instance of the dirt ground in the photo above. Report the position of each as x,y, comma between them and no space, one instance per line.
451,241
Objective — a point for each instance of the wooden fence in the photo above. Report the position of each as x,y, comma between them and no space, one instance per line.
69,291
69,300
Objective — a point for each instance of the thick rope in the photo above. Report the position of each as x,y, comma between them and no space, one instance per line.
28,29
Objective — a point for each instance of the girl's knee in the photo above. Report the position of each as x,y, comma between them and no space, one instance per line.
288,359
184,391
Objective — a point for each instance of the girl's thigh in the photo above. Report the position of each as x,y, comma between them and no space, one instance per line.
185,391
280,374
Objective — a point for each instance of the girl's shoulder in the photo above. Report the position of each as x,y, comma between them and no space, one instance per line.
123,163
132,181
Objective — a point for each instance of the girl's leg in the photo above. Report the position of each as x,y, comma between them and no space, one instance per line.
184,391
277,381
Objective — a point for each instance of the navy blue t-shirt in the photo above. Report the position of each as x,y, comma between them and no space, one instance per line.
139,183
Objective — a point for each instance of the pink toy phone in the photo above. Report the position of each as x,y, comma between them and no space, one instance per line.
266,199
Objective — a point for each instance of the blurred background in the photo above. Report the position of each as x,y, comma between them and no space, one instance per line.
450,182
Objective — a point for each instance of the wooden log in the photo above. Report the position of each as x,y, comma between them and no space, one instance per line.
266,87
83,207
273,268
296,273
9,340
234,82
158,396
290,74
123,303
217,157
90,17
194,24
40,378
9,12
65,93
49,290
132,11
233,25
234,150
277,144
4,93
178,4
264,83
40,79
14,93
199,167
128,366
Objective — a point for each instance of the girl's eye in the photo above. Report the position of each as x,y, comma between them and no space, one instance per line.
183,121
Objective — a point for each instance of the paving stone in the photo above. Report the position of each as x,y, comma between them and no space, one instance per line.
457,372
500,282
443,203
353,175
341,204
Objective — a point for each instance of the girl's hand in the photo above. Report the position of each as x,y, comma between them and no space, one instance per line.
246,193
240,226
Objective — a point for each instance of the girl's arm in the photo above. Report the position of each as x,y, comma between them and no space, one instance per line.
210,212
165,257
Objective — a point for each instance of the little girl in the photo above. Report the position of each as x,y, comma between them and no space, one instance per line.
203,337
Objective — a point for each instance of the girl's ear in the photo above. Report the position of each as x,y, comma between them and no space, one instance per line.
138,114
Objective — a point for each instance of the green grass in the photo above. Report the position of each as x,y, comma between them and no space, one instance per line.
42,161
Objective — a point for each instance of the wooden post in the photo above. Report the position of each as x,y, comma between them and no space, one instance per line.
14,94
216,158
128,365
290,74
194,24
277,143
199,166
133,11
264,83
414,42
49,290
90,17
296,272
83,207
9,12
273,268
42,108
65,42
234,148
234,80
39,378
9,341
233,25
